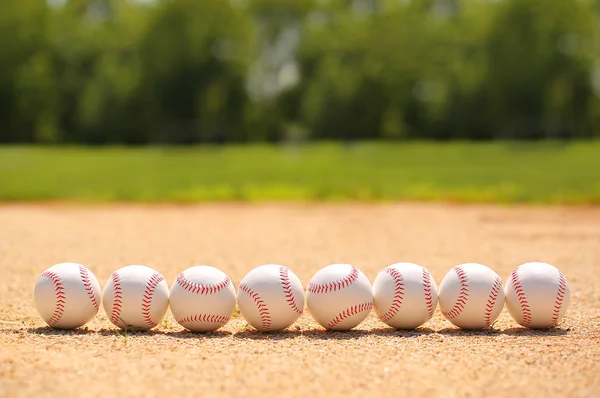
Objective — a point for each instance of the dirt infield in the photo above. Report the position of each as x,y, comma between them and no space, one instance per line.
438,359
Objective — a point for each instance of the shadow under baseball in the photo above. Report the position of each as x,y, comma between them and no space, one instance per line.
322,334
178,334
49,331
296,332
521,331
188,334
408,333
515,331
253,334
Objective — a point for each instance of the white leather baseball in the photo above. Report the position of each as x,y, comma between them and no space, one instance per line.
271,297
136,297
202,298
67,295
471,296
404,295
537,295
339,297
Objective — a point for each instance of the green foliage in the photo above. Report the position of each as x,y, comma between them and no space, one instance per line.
484,172
188,71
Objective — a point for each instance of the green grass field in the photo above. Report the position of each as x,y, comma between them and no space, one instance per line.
461,172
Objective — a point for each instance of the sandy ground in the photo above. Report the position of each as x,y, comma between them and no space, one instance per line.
438,359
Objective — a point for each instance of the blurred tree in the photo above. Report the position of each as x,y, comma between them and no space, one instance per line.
280,28
539,57
26,80
194,57
111,101
184,71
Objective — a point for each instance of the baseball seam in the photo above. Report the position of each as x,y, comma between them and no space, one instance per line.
560,295
347,313
461,301
115,315
59,291
197,288
154,280
204,318
85,278
491,302
427,291
526,312
287,290
398,293
335,285
265,317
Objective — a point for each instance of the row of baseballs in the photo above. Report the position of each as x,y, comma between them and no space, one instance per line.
271,297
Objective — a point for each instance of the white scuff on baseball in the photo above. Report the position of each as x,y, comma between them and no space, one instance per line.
404,295
471,296
136,297
202,298
271,297
537,295
339,297
67,295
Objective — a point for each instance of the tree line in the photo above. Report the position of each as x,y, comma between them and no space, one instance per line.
189,71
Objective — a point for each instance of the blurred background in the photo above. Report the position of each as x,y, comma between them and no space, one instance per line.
388,72
190,71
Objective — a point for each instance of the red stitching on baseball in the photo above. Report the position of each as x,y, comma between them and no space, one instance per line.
287,290
265,317
59,290
85,278
398,293
560,295
206,318
355,309
489,306
427,290
514,277
147,300
115,315
335,285
461,301
201,289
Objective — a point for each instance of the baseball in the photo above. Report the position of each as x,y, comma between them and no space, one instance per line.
271,297
404,295
537,295
202,298
339,297
67,295
471,296
136,297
